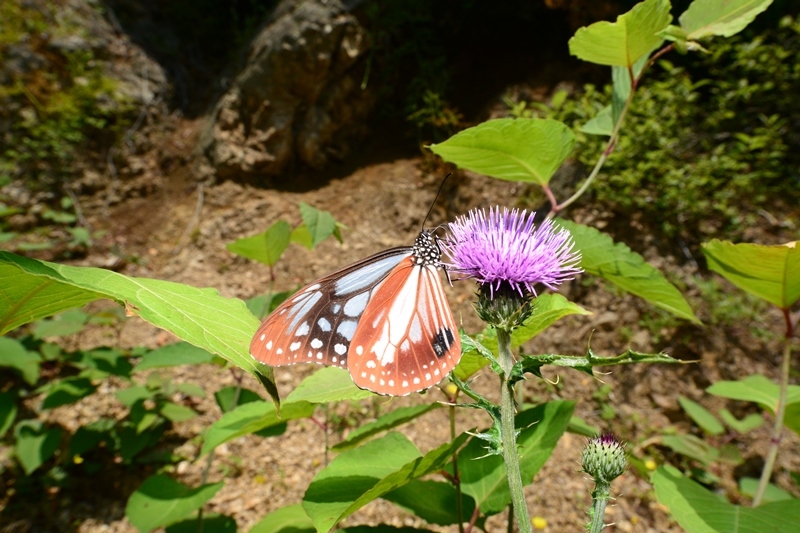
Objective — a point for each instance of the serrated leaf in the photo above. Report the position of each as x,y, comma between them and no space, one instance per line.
635,34
320,224
291,519
484,477
755,388
385,422
433,501
328,384
705,18
222,326
698,510
528,150
701,416
35,443
364,474
266,247
251,418
771,273
14,355
615,262
177,354
161,501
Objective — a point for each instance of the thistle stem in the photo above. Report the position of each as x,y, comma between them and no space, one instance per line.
599,501
780,413
509,434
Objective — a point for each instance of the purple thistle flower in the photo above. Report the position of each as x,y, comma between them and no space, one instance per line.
506,247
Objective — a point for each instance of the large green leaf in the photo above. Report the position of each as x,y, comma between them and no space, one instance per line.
529,150
291,519
634,35
385,422
756,388
202,317
251,418
484,476
699,511
433,501
705,18
770,272
615,262
363,474
161,501
328,384
266,247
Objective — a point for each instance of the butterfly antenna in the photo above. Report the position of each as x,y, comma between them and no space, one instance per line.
433,204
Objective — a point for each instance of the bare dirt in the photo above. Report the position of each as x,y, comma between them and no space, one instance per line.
173,229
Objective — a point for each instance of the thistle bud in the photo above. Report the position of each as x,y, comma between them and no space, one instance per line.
604,459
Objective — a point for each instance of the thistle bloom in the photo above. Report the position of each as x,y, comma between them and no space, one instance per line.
506,248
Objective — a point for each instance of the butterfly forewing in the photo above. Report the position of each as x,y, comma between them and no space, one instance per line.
407,339
318,322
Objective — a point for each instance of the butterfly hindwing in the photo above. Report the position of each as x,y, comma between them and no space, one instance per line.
318,322
407,339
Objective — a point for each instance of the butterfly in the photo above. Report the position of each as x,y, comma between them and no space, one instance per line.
384,318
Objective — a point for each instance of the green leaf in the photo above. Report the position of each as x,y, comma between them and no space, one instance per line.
328,384
699,511
475,355
109,361
175,412
250,418
23,300
320,224
748,423
222,326
302,236
35,443
615,262
749,485
601,124
233,396
177,354
361,475
771,273
756,388
701,416
131,395
8,410
484,476
705,18
61,325
528,150
624,42
692,447
291,519
266,247
161,501
386,422
90,435
14,355
215,523
433,501
67,391
579,426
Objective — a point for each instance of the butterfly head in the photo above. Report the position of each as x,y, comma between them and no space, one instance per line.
426,250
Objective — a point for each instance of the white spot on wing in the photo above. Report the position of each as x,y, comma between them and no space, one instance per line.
347,328
371,364
263,336
302,330
324,324
355,305
316,343
294,346
341,349
416,381
269,344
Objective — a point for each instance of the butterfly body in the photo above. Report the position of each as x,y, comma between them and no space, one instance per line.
384,318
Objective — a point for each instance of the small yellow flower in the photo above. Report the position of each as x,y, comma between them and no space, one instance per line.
650,464
451,389
539,522
77,459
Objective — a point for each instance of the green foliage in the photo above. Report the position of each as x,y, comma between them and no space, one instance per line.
58,108
703,149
